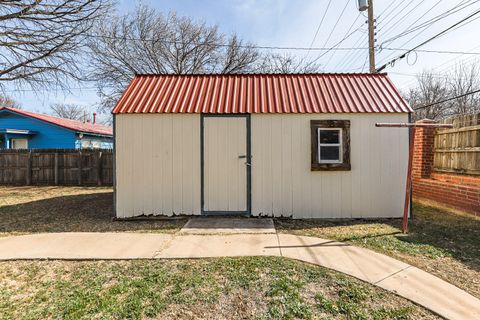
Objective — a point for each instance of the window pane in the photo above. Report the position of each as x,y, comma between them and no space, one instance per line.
329,136
19,144
329,153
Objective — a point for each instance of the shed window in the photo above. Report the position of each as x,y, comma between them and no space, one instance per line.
330,145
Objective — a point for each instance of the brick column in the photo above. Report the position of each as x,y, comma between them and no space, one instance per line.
423,151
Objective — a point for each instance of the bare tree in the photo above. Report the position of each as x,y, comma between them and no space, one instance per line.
39,39
68,111
287,63
432,88
464,79
237,57
149,42
8,102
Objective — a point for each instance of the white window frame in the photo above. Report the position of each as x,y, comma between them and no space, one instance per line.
12,142
339,144
86,144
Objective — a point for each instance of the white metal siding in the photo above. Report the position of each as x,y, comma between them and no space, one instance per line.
158,167
157,164
284,185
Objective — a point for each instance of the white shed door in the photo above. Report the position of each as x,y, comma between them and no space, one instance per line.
225,164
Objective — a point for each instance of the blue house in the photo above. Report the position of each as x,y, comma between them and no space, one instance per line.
21,129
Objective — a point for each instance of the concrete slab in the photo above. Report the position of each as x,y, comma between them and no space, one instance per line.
218,225
358,262
82,245
435,294
209,246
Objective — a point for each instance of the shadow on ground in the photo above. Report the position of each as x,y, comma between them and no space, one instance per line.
74,213
434,233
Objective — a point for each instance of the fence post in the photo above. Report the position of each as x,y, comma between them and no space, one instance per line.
29,168
80,169
55,168
99,168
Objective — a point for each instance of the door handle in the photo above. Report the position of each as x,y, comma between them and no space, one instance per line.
242,157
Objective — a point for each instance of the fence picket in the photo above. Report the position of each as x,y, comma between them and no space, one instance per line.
458,149
86,167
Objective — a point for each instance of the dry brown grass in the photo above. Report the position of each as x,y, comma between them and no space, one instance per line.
68,209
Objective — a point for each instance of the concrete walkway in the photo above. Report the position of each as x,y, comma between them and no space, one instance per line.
232,225
380,270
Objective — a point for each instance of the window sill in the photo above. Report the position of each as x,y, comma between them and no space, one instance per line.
330,167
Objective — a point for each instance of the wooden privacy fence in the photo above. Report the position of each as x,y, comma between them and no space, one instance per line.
83,167
457,150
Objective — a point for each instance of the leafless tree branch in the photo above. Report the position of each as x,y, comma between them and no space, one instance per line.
68,111
432,88
40,39
8,102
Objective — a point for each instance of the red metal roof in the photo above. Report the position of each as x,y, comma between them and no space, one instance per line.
85,127
261,93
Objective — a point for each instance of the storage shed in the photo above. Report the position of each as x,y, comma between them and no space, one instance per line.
295,145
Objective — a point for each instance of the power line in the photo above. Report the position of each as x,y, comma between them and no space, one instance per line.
346,36
419,75
447,64
350,55
421,28
228,45
436,51
392,11
319,25
384,10
445,76
430,39
338,43
393,18
431,21
53,89
401,18
446,100
451,52
366,59
336,23
456,58
419,18
327,49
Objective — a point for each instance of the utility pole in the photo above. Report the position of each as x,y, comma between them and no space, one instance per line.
371,37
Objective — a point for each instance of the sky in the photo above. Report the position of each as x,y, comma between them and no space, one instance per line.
294,23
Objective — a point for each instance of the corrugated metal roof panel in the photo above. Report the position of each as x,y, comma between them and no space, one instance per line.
261,93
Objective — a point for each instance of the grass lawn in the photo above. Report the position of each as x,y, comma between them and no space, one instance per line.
67,209
225,288
442,242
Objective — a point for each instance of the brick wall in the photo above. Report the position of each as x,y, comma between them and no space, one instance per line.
452,190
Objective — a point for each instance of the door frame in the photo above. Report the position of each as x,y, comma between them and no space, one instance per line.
248,168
